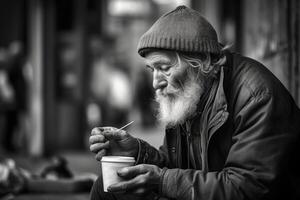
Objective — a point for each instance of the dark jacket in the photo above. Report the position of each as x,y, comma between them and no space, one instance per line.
243,145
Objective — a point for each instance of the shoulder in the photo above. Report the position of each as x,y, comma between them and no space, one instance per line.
250,80
253,76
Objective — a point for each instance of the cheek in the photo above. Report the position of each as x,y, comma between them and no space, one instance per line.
178,79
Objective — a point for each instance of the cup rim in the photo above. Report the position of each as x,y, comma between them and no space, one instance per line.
117,159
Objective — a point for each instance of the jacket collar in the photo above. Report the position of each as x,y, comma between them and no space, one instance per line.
220,101
219,89
218,114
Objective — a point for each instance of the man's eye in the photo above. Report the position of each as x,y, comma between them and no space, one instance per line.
165,67
150,68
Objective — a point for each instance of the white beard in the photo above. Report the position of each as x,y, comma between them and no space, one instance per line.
177,106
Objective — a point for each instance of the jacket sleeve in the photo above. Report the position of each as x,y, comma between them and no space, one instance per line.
149,155
262,140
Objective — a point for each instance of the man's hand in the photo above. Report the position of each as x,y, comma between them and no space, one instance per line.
140,180
114,142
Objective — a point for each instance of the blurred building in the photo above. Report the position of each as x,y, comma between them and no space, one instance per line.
67,42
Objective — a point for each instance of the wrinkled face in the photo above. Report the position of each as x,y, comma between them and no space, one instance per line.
176,86
168,75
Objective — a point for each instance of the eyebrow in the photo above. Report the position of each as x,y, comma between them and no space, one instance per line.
157,61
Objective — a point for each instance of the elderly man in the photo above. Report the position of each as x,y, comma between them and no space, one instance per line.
232,129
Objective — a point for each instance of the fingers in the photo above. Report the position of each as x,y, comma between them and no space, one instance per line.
129,172
127,186
96,139
114,134
97,131
139,191
143,179
100,154
109,133
99,146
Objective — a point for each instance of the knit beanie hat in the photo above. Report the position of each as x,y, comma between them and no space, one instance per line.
182,29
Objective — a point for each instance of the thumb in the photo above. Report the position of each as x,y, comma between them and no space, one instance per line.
115,134
130,172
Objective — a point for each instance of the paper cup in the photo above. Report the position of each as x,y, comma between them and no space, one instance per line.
110,166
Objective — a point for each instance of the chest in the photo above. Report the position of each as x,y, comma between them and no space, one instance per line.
196,152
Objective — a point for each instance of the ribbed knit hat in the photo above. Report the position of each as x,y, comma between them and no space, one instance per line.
182,29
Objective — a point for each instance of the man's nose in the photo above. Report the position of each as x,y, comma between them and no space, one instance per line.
159,82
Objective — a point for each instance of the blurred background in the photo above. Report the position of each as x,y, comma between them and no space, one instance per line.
67,66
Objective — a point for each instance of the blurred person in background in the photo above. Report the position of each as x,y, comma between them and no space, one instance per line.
13,93
13,96
232,129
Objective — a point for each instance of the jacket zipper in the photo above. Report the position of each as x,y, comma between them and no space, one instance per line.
210,131
219,122
178,146
203,153
188,142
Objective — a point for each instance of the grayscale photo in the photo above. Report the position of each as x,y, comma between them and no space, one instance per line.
149,100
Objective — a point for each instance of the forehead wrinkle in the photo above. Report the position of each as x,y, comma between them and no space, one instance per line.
156,59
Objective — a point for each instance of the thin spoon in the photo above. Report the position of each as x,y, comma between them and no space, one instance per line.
125,126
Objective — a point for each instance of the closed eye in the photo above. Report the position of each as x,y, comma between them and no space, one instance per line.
165,67
150,68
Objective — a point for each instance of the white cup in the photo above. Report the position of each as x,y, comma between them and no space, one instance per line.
110,166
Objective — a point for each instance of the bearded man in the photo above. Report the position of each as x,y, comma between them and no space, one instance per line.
232,129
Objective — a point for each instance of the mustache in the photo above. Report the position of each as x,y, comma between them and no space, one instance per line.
171,90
